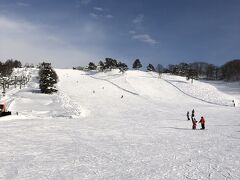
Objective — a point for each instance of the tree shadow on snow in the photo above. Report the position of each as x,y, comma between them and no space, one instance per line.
36,91
178,81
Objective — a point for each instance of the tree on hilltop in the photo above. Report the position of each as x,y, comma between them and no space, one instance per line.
150,67
137,64
100,66
92,66
122,67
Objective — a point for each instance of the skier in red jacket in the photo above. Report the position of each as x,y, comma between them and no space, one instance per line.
202,121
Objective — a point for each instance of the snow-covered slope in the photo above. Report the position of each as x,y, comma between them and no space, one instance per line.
120,126
200,90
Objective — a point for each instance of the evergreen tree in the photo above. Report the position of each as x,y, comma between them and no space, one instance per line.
17,64
92,66
150,67
137,64
183,69
110,63
6,68
48,78
122,67
101,66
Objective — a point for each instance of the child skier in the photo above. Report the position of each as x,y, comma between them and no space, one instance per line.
202,121
194,123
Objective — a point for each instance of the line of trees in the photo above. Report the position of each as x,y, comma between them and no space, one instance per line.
111,63
229,71
106,65
9,77
6,68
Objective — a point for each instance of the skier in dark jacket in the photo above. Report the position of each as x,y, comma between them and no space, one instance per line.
202,121
193,114
233,103
188,118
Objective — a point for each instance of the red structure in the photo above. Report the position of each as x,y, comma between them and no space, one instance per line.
3,110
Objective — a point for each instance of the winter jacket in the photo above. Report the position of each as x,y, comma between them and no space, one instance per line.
202,120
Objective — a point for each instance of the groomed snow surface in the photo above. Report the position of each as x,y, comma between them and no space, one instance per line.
121,126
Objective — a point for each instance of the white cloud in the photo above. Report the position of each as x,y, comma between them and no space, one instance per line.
101,13
109,16
94,15
98,9
33,43
146,38
17,27
139,19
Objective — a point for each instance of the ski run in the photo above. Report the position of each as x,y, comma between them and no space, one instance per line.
121,126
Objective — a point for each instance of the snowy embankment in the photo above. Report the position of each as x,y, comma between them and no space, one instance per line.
200,90
117,126
28,102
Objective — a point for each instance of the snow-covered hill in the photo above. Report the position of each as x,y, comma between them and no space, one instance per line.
121,126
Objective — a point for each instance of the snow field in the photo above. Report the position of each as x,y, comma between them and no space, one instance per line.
87,131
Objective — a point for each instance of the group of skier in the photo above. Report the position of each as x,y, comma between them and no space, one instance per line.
194,121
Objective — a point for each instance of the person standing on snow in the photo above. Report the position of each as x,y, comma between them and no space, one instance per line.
194,123
202,121
188,118
193,114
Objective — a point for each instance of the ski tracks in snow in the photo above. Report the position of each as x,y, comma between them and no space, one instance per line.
194,97
116,85
209,102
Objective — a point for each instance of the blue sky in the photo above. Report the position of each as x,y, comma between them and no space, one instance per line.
73,32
